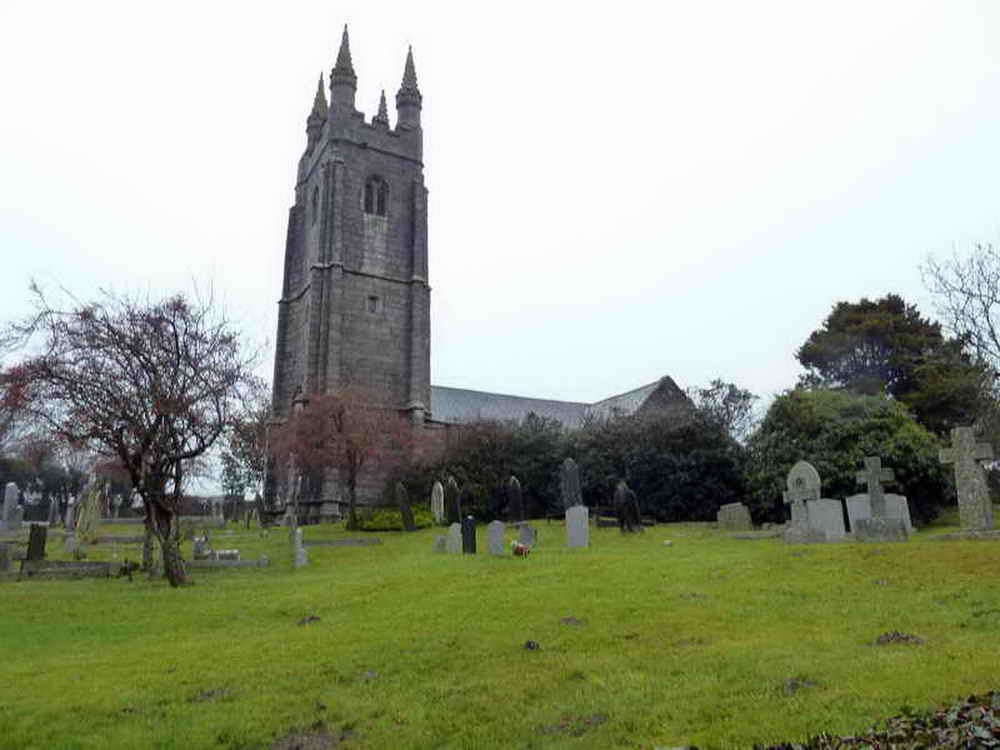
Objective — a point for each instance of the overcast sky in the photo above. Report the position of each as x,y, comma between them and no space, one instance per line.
617,191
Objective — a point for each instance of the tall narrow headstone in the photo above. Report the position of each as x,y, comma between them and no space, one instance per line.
975,510
9,506
403,501
468,535
569,484
494,532
36,542
453,541
578,526
627,509
301,553
452,501
515,500
437,503
70,522
527,535
53,511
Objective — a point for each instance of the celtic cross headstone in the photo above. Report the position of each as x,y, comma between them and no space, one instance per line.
974,508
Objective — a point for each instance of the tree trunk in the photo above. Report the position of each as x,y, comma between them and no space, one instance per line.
164,526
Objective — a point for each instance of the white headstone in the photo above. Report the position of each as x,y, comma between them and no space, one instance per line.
527,535
439,544
453,542
437,502
578,526
826,516
495,531
9,506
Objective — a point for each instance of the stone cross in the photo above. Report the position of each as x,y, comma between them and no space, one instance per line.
569,483
873,476
437,502
974,507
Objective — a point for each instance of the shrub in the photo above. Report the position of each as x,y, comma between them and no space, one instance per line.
834,430
388,519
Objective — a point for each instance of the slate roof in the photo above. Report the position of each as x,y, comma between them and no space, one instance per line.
458,405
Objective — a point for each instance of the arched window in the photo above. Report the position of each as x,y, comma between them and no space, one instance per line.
315,203
376,196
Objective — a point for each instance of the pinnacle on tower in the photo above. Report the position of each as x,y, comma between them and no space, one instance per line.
382,117
408,98
343,70
343,81
319,103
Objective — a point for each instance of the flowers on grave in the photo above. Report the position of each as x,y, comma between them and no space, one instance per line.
519,550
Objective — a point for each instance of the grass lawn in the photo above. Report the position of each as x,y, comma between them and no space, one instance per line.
690,643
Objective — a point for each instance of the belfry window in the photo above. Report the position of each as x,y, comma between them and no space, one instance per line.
372,304
376,196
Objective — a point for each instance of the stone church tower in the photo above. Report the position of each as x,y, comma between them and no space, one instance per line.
355,301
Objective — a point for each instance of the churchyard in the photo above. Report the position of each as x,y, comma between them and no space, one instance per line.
678,635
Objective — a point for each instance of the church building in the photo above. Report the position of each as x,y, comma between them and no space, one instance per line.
355,299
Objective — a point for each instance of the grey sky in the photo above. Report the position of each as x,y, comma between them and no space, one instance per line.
616,191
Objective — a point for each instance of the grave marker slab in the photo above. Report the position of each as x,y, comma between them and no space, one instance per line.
734,517
880,530
803,485
36,542
578,526
873,475
437,502
974,507
827,516
453,542
527,535
301,553
896,506
440,543
468,535
495,531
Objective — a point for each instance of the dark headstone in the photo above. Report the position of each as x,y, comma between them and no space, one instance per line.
403,501
627,509
515,500
5,557
569,483
36,542
468,535
452,501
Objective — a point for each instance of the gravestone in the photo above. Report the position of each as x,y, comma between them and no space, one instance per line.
896,506
5,557
36,542
527,535
200,549
734,517
798,532
403,501
468,535
10,507
578,526
569,484
627,509
453,542
439,544
515,500
827,516
974,508
70,522
494,532
879,527
53,512
880,530
70,544
301,553
437,503
452,501
803,485
872,476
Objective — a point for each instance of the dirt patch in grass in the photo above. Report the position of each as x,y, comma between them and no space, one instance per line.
572,621
893,637
575,726
315,738
211,695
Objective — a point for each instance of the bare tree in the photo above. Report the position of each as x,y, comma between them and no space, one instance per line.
345,431
967,297
152,383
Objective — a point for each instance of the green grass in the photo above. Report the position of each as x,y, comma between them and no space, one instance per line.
683,644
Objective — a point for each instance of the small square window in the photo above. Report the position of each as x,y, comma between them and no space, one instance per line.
373,304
